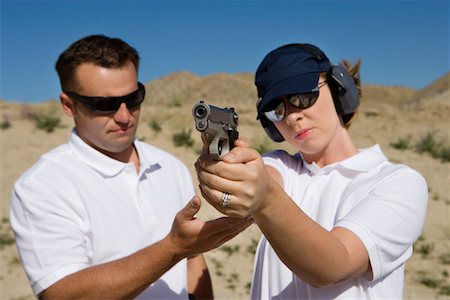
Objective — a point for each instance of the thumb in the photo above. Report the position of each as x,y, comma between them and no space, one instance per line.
191,208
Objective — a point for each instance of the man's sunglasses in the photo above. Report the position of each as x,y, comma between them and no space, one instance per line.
301,101
106,105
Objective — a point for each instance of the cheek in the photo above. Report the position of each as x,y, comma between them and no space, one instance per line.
90,126
283,128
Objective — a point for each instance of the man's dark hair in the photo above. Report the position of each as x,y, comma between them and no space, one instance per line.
99,50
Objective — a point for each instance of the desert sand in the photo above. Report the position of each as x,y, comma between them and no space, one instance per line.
387,115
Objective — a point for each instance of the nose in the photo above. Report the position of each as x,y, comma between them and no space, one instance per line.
293,113
123,114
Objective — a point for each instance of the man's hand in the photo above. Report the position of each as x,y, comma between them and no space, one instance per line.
191,236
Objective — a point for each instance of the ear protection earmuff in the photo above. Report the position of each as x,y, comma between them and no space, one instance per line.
342,86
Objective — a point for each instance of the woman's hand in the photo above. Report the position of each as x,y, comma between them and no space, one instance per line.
242,174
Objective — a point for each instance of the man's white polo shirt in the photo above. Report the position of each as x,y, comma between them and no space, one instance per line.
76,208
384,204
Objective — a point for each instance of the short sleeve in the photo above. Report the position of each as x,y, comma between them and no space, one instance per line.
49,239
284,163
389,219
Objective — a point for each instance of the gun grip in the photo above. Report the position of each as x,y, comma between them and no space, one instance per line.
233,135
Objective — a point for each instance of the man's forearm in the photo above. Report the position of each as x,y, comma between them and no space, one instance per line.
123,278
199,280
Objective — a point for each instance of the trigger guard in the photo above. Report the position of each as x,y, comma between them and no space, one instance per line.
218,148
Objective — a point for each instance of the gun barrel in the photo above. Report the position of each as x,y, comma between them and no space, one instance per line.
219,126
203,113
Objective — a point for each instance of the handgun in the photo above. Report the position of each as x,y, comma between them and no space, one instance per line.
219,126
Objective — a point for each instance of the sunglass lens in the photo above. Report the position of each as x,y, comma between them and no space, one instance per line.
276,114
106,106
304,100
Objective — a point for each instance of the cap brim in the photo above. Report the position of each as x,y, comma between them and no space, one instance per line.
298,84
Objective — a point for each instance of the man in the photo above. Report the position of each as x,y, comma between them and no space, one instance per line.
104,215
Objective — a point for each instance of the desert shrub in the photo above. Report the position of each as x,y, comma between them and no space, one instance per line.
248,286
47,122
251,249
424,249
5,123
232,280
428,144
6,237
218,267
445,258
175,102
155,126
445,290
230,249
444,154
430,282
401,143
183,138
435,148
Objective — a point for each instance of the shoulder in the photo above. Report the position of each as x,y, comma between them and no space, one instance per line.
49,164
281,158
399,173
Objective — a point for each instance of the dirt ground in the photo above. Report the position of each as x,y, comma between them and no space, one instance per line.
387,115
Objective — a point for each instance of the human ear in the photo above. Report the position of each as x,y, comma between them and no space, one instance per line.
67,104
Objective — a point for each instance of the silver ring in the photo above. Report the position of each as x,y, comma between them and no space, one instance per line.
226,197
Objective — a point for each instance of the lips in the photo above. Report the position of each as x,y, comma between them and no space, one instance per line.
121,130
303,134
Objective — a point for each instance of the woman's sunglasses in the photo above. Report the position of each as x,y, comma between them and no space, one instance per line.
301,101
107,105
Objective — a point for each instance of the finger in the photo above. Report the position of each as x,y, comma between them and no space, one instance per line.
205,148
242,142
212,196
228,225
226,235
241,155
233,172
191,209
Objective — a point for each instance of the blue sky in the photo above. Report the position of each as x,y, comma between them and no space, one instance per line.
403,43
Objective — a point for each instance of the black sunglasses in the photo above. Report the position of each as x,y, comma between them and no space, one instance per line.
301,101
107,105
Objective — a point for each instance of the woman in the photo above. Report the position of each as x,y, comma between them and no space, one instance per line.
337,221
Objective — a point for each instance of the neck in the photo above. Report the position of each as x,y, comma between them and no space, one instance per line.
340,148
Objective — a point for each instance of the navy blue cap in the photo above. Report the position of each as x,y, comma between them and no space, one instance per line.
289,69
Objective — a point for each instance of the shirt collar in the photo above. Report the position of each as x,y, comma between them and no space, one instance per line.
364,161
104,164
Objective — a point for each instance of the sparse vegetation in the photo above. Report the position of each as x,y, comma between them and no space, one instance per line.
445,259
445,290
401,144
155,126
171,113
183,138
47,121
6,237
424,248
430,282
5,123
427,144
251,249
218,266
230,250
175,102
